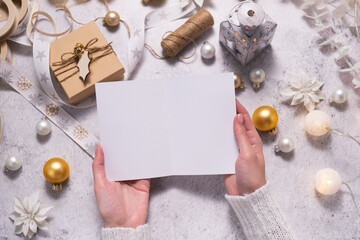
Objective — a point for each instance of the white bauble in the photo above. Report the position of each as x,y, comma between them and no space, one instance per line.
317,123
13,163
340,95
43,127
207,50
327,181
285,145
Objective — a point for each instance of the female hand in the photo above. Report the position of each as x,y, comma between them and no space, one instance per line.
121,204
250,165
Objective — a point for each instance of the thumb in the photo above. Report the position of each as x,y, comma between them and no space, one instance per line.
240,133
98,166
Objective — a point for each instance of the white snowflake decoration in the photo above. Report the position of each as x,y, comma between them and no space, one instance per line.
304,89
23,84
29,215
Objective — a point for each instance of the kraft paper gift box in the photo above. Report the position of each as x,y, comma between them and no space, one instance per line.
105,69
247,31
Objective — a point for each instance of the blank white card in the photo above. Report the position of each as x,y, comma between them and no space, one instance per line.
164,127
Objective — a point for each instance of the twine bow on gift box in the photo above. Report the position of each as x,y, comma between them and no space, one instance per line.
83,56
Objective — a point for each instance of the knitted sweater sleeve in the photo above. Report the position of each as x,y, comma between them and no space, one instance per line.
139,233
259,216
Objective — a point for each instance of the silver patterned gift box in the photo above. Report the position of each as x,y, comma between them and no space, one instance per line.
247,31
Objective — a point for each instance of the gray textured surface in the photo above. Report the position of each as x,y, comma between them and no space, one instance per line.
194,207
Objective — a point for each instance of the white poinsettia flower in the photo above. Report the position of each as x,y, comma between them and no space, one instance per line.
29,215
304,89
342,52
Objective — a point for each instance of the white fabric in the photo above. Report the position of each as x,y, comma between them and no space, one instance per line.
258,214
139,233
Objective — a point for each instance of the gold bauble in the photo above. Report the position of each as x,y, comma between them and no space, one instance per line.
56,171
79,49
112,19
265,118
238,81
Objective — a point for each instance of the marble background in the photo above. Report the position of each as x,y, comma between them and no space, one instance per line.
194,207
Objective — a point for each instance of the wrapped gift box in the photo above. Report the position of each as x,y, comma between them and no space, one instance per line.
107,68
247,31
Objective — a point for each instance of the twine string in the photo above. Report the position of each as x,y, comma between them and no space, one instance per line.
168,57
186,33
70,16
177,40
51,20
107,5
70,58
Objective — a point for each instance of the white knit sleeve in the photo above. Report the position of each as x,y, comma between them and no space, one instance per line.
259,215
139,233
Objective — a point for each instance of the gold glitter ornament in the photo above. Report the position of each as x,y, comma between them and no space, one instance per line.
56,171
112,19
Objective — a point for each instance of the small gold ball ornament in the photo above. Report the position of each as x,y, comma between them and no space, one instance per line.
56,171
238,81
79,49
112,19
265,118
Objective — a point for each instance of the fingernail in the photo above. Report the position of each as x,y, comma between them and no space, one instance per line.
240,119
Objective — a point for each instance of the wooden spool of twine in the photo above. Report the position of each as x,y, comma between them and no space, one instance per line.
188,32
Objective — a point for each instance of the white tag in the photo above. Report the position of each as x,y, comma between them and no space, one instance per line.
83,65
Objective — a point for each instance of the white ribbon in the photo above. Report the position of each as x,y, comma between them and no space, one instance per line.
49,108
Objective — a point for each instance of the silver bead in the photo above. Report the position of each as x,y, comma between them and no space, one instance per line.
13,163
257,76
207,50
43,127
285,145
340,95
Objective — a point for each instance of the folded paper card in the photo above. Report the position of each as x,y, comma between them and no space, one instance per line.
163,127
